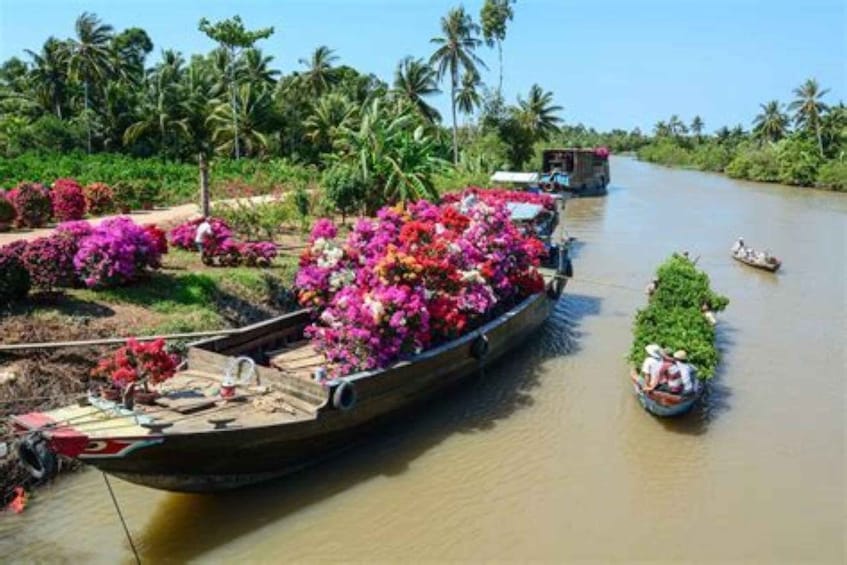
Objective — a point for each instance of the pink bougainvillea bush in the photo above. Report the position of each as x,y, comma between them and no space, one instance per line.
32,204
258,253
411,279
182,236
7,212
117,252
50,262
99,198
68,200
492,195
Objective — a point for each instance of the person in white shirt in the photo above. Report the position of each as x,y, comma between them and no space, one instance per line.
686,372
203,233
652,364
739,246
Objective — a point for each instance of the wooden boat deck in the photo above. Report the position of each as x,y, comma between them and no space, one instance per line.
298,359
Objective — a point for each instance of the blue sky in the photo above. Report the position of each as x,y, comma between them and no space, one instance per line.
614,63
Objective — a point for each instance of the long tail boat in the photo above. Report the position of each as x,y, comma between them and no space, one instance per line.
278,419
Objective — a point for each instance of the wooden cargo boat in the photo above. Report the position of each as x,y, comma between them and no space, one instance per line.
664,404
771,264
578,171
283,414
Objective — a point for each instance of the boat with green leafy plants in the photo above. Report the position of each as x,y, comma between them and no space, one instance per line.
407,305
675,331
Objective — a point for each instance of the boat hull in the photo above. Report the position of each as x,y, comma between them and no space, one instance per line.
218,460
770,267
662,404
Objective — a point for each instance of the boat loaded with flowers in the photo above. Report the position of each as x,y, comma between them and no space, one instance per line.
404,306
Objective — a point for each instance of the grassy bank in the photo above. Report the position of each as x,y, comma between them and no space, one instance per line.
184,296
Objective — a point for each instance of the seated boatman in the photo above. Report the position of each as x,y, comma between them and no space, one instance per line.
650,368
686,372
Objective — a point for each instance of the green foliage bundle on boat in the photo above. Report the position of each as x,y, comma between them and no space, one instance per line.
673,317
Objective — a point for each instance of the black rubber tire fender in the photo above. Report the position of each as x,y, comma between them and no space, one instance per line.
479,347
37,458
344,396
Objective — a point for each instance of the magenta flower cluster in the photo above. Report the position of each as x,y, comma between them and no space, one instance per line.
116,252
32,204
412,278
221,248
182,236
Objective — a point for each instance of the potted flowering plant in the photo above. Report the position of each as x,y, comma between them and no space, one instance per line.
145,364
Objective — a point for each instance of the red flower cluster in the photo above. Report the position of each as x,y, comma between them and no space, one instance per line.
137,362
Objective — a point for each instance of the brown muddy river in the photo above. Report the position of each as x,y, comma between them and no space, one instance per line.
549,457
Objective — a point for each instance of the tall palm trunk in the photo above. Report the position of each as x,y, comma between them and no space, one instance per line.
500,55
234,108
455,129
820,138
204,184
87,117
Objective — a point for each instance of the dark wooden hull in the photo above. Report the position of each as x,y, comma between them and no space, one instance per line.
212,460
770,267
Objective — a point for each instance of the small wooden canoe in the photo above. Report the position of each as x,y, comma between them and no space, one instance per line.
664,404
770,265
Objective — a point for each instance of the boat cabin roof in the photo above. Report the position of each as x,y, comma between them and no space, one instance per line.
524,211
520,178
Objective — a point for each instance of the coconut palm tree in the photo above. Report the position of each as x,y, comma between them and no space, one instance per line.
455,52
49,75
254,107
808,108
697,127
89,57
468,98
414,80
676,126
332,114
494,16
538,113
772,123
255,68
834,128
661,129
319,74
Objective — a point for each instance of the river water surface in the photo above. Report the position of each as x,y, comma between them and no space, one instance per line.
549,457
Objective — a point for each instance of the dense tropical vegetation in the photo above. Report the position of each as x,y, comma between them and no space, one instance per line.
95,108
803,143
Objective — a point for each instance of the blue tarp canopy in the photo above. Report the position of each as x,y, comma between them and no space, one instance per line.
560,178
523,211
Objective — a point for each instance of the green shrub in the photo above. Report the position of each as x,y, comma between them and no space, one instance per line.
666,152
344,188
833,175
711,157
799,160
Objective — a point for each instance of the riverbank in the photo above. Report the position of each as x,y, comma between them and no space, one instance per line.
184,296
786,162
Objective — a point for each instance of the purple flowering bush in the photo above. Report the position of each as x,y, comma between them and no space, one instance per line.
32,203
258,253
14,278
50,262
117,252
68,200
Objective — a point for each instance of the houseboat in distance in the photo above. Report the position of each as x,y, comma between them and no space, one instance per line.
569,171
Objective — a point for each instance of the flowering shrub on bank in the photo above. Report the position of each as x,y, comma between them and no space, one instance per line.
137,362
493,195
7,213
68,200
158,237
412,278
117,252
99,198
32,204
182,236
50,262
14,278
